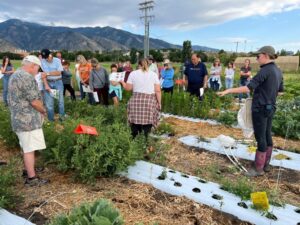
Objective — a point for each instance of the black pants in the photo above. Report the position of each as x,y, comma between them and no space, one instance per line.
262,125
170,89
195,90
102,95
70,90
138,128
214,85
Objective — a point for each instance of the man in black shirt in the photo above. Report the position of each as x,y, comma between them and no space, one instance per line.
266,85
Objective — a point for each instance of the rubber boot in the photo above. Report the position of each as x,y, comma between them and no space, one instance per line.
259,163
267,167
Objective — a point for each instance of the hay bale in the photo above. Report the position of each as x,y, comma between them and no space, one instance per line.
285,63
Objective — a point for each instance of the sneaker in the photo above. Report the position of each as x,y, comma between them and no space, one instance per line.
37,170
36,181
3,163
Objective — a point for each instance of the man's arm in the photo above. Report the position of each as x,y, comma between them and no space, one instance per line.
205,81
243,89
38,106
54,73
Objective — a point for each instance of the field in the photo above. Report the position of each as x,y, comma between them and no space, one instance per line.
85,168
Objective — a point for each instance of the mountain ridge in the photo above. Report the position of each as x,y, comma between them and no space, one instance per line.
31,36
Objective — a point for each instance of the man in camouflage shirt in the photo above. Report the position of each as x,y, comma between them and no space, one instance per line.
27,114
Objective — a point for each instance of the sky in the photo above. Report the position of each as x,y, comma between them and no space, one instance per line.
214,23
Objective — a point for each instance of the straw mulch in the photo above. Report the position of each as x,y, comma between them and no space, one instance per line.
137,202
183,128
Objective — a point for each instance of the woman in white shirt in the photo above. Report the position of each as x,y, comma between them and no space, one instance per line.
214,81
229,76
145,103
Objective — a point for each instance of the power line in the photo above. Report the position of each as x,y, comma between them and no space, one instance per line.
145,7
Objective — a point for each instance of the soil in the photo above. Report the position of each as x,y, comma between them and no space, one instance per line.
137,202
141,203
183,128
190,160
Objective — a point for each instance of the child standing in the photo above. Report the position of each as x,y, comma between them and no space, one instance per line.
66,78
229,75
115,89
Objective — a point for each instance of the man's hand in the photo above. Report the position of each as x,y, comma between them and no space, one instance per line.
222,93
43,75
47,88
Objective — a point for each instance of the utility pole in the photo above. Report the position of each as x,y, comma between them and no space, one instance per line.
145,7
237,45
245,45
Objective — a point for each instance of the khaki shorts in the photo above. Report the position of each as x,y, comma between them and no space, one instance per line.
31,140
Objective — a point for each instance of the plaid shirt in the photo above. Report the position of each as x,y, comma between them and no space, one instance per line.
143,109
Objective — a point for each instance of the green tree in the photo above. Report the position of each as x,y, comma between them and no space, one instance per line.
203,56
175,55
186,50
157,55
283,52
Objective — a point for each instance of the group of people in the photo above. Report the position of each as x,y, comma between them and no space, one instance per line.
27,102
196,76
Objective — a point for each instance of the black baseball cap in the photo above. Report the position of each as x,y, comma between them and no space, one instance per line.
45,53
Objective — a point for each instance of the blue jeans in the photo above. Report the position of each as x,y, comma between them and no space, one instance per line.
5,79
228,83
49,100
244,83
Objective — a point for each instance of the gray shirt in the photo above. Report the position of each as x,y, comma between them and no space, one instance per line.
22,90
98,78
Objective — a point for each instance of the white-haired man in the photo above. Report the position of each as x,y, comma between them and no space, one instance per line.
27,113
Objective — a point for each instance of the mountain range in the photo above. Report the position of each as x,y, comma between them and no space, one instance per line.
17,34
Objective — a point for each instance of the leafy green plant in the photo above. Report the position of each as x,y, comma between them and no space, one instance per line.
165,128
228,118
286,118
241,187
8,178
163,174
6,133
100,212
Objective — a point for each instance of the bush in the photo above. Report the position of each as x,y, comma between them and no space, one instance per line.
165,128
6,134
92,156
8,194
228,118
286,119
100,212
183,104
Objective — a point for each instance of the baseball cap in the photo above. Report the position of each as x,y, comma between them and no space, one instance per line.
269,50
167,61
32,59
45,53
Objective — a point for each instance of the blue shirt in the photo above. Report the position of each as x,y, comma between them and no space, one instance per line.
8,69
55,65
196,73
167,76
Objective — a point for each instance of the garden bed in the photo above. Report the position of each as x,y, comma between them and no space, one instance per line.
138,203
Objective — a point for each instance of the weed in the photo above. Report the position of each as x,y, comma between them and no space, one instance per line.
99,212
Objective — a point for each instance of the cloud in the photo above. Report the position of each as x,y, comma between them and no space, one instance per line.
174,15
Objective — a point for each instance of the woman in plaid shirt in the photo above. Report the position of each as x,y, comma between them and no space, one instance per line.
145,103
